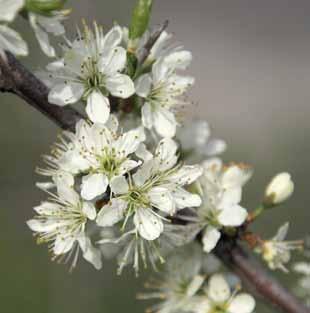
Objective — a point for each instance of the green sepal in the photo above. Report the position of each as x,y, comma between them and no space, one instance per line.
140,19
44,7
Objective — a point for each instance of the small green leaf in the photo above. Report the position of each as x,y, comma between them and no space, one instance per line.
140,19
44,7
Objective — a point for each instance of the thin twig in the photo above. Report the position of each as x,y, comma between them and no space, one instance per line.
15,78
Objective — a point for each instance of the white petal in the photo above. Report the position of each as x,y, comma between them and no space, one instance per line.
127,166
185,199
41,226
143,154
42,36
129,142
231,196
89,210
233,216
112,39
9,9
11,40
119,185
68,194
162,200
210,239
112,123
164,122
179,59
203,306
114,62
218,288
160,44
195,285
64,178
143,85
242,303
212,165
64,94
147,116
90,253
63,245
186,174
93,185
111,213
160,71
148,224
236,176
144,173
98,107
47,208
215,147
120,85
282,232
166,154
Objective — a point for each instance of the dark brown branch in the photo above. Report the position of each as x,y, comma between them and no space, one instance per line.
255,277
15,78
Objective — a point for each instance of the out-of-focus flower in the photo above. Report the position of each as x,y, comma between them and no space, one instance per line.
10,40
279,190
219,298
194,136
276,251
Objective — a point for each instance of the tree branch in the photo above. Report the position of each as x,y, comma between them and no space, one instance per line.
15,78
255,277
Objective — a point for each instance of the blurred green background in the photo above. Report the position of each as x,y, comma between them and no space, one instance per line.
251,62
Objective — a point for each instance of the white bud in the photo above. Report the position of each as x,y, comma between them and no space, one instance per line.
279,189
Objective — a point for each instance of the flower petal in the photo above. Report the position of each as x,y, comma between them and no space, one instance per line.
143,85
89,210
90,253
242,303
234,215
164,122
119,185
9,9
218,289
111,213
185,199
186,174
93,185
236,176
210,239
166,154
114,62
98,107
12,41
147,116
179,59
148,224
120,85
162,200
63,94
63,245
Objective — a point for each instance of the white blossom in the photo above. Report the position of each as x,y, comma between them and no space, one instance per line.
178,284
221,189
10,40
194,136
279,189
91,70
161,90
61,222
219,298
157,184
276,251
45,25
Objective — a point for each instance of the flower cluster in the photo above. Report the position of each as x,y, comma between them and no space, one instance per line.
185,287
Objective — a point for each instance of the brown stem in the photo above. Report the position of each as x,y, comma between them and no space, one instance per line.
15,78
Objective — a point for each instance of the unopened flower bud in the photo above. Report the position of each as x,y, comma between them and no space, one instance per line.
279,189
44,7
